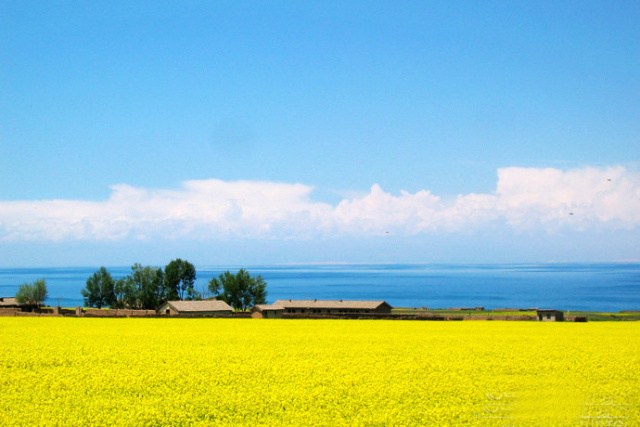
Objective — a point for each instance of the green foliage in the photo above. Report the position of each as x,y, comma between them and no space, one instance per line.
193,295
241,291
146,284
146,288
125,296
142,289
179,277
32,293
100,290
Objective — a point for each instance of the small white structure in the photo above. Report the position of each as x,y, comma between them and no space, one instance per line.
550,315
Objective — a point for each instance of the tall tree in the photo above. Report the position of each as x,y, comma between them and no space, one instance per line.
100,290
179,277
122,292
145,285
32,293
142,289
241,291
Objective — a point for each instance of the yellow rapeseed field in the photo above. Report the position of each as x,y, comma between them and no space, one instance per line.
190,372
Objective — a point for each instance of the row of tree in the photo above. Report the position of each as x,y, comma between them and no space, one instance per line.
149,287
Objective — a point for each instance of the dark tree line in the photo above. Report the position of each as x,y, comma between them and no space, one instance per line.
147,288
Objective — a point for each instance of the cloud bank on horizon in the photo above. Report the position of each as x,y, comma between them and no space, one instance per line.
525,199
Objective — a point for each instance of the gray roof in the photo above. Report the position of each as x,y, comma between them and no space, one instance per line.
322,304
199,306
261,307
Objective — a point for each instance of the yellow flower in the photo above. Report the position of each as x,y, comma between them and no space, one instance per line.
241,372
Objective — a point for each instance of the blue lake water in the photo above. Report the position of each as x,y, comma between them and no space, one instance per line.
594,287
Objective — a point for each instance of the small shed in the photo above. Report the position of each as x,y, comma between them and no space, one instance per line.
196,308
545,315
265,311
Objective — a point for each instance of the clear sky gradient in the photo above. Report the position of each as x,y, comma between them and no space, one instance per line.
255,132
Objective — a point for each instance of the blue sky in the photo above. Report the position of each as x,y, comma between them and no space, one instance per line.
275,132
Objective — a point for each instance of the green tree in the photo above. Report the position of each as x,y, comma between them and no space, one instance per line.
100,290
129,296
144,288
193,295
32,293
179,277
240,291
121,291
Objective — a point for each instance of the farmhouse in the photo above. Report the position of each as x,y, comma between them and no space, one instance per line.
9,302
550,315
9,306
195,308
311,307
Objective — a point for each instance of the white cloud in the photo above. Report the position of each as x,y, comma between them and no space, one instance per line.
380,212
525,199
580,198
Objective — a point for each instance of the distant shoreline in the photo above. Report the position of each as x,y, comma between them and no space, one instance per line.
417,314
597,287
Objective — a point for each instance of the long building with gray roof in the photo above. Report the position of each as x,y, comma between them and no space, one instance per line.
318,307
